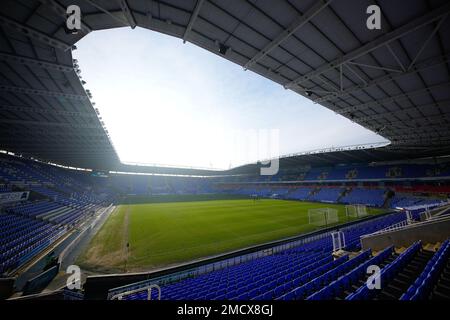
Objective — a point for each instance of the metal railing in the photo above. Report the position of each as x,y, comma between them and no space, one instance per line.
241,258
395,226
167,279
147,288
407,224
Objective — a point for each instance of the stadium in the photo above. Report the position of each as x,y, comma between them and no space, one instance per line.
368,221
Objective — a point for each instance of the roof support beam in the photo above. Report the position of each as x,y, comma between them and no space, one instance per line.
92,3
318,91
431,143
34,62
388,69
299,22
405,148
69,139
419,128
396,147
194,16
127,13
30,147
364,106
383,40
355,73
33,33
50,124
430,36
46,140
61,12
440,104
329,84
43,93
67,146
427,137
47,111
423,65
54,131
397,59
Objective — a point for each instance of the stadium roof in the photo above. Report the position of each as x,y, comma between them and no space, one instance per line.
394,81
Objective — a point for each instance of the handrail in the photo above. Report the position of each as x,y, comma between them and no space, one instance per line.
406,225
149,288
393,227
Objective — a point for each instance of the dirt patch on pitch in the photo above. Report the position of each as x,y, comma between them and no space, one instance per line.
108,250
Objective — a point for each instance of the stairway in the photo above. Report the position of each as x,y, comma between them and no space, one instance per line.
363,280
388,196
342,194
442,288
405,277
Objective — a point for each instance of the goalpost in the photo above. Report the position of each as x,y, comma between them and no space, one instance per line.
323,216
356,210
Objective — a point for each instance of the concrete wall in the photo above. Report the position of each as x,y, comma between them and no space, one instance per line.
428,232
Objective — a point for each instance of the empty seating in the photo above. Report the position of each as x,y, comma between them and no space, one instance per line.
409,201
34,208
395,276
422,288
301,193
327,195
370,197
22,236
296,273
27,227
342,286
307,271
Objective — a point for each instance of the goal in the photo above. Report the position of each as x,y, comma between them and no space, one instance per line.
356,210
323,216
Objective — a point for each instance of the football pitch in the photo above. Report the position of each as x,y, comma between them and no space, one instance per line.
146,236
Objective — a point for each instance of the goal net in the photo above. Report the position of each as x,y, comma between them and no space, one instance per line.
323,216
356,210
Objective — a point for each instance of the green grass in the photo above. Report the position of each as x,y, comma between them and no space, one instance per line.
162,234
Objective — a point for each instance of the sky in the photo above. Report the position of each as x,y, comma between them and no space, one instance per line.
168,103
